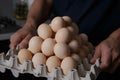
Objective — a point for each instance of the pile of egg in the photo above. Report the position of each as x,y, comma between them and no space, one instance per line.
58,44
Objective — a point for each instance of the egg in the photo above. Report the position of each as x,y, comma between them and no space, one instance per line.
84,38
90,46
76,28
44,31
79,39
84,51
24,55
38,59
61,50
35,44
77,58
57,23
63,35
74,45
67,64
67,20
72,30
47,46
52,62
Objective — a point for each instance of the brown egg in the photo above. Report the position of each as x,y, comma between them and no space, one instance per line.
72,30
38,59
90,46
76,28
74,45
44,31
79,39
84,38
77,58
67,20
67,64
84,51
63,35
47,46
61,50
24,55
57,23
35,44
53,62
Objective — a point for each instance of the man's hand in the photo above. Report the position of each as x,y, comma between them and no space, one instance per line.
22,37
109,53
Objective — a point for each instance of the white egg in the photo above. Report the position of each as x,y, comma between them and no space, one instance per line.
63,35
47,46
61,50
67,64
35,44
53,62
57,23
44,31
38,59
67,20
24,55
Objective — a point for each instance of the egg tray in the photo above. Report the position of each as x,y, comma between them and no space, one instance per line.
84,71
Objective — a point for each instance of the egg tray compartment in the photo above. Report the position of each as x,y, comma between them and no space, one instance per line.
84,71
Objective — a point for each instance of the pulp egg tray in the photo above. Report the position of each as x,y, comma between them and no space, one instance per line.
84,71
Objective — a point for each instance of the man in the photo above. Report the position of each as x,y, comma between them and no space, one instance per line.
99,19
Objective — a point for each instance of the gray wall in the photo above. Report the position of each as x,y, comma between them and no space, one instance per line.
6,8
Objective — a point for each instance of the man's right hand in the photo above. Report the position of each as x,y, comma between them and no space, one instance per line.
22,37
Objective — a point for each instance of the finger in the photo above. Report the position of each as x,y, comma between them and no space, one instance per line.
115,62
96,55
106,58
15,40
115,55
25,42
114,66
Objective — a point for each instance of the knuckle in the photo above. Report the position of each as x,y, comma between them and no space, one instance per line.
16,35
23,44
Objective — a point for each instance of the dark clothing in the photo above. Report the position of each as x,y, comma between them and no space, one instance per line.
96,18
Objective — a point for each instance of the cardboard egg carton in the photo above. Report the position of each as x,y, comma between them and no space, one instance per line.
84,71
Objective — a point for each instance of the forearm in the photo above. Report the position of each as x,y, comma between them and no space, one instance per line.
38,12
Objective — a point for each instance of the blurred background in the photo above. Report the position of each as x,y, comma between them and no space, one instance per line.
12,16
